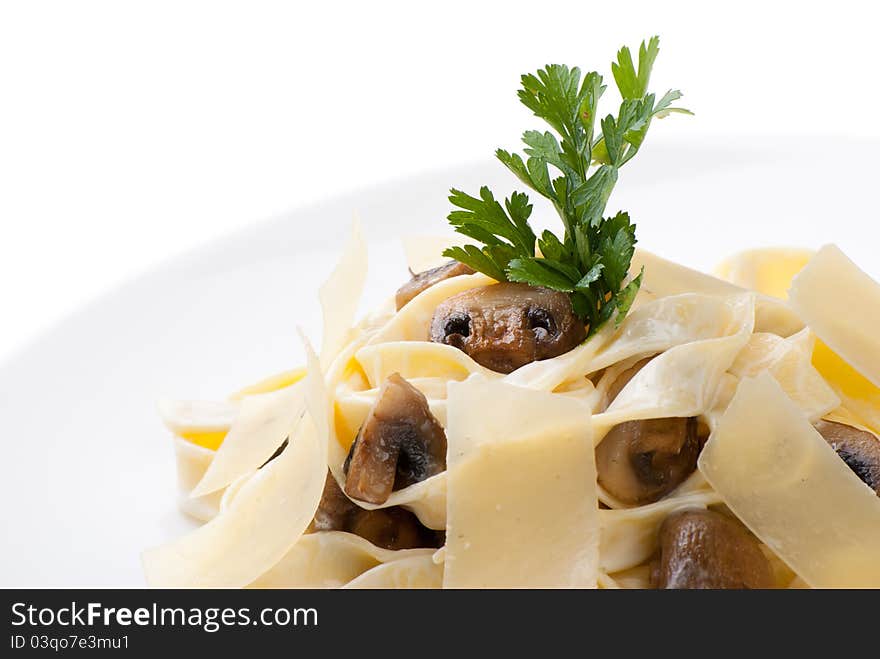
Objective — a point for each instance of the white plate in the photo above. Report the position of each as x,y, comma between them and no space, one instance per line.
89,476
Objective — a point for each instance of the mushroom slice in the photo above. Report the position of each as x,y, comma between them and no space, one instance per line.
859,449
335,509
705,549
639,462
393,528
389,528
506,326
424,280
399,444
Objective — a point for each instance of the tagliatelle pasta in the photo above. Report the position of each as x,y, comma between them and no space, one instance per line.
555,410
409,572
416,359
666,278
682,381
263,422
192,463
518,498
552,409
329,560
516,502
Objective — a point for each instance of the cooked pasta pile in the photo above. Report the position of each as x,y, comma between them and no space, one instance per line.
392,460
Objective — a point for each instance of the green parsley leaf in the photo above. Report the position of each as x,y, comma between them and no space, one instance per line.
539,272
627,296
575,168
487,219
631,83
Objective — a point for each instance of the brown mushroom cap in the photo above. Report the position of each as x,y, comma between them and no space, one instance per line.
639,462
399,444
859,449
389,528
705,549
506,326
393,528
423,280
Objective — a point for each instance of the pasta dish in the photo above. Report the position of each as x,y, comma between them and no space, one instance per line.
552,410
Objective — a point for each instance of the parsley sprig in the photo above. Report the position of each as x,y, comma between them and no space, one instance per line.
575,168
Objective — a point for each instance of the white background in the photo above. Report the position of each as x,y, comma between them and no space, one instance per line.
133,131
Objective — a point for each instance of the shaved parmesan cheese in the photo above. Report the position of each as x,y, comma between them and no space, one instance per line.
841,304
264,519
263,423
783,480
330,559
340,295
522,507
411,572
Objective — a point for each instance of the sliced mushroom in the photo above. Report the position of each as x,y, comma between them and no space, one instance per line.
393,528
389,528
506,326
335,509
639,462
705,549
399,444
859,449
423,280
